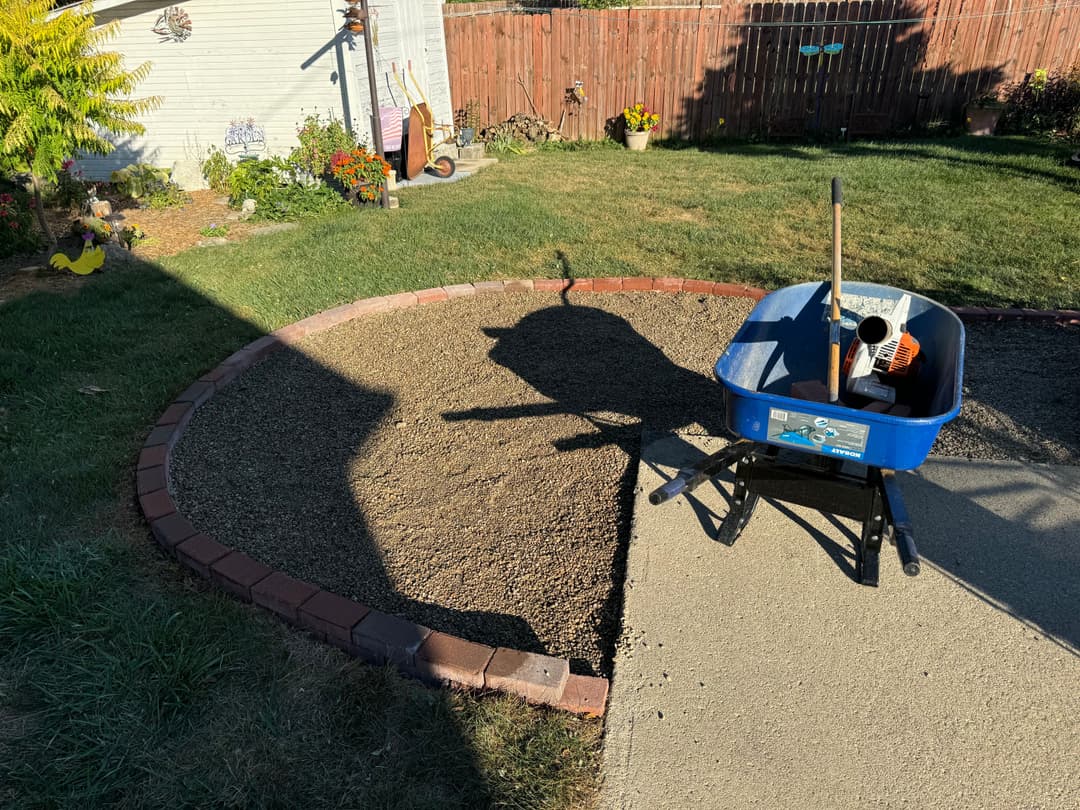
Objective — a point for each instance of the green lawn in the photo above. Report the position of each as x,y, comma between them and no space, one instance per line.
123,681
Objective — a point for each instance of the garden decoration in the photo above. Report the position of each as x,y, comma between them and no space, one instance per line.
173,25
639,123
794,445
421,146
820,51
91,258
246,138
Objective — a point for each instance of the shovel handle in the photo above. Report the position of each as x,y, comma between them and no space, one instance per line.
834,317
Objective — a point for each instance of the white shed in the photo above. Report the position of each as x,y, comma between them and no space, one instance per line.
221,63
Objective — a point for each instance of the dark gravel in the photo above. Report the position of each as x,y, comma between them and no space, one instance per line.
470,464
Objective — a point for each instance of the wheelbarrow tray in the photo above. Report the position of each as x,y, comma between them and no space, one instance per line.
786,339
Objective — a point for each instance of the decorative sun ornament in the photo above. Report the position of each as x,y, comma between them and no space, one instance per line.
173,25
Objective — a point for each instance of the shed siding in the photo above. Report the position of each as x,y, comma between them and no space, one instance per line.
271,62
406,31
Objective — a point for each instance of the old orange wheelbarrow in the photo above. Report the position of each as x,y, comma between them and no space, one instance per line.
421,144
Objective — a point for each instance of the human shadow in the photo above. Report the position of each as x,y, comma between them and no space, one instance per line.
594,365
569,354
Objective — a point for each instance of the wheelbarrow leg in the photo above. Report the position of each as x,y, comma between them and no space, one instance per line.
743,502
868,550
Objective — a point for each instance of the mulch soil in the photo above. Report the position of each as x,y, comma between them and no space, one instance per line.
168,230
470,465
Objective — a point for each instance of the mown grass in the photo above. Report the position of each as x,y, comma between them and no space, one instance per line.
122,681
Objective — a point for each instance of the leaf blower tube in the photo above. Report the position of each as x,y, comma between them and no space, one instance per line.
882,349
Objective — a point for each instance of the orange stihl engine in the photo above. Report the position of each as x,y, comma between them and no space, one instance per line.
881,347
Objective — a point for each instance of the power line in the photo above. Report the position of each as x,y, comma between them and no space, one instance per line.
783,24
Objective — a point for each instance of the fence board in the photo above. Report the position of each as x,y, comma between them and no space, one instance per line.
698,62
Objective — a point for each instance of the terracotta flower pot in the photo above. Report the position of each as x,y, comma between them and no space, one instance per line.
637,141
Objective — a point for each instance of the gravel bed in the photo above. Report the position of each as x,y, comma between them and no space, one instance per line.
470,464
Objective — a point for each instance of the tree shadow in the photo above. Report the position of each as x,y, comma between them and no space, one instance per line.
1013,546
142,336
266,466
777,81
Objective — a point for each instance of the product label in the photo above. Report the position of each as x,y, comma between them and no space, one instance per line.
832,437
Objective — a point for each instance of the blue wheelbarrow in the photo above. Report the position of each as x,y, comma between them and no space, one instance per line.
837,458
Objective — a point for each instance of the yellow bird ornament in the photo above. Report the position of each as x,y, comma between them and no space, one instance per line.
89,260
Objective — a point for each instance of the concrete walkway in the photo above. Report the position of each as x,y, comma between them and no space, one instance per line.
761,675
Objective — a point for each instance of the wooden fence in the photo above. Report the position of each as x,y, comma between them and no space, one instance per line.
736,68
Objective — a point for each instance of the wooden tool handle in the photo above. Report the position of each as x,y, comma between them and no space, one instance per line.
834,318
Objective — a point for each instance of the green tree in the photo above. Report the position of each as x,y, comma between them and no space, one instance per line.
59,94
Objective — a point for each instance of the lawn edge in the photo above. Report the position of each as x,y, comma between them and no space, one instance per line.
368,634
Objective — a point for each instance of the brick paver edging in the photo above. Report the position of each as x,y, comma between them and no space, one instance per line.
366,633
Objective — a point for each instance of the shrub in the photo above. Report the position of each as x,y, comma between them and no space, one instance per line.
296,201
168,195
503,143
1046,103
258,180
131,235
17,234
69,190
216,170
319,142
138,179
278,193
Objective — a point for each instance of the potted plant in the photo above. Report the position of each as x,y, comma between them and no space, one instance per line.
361,173
981,114
639,122
470,122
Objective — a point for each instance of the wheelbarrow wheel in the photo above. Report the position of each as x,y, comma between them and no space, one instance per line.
444,166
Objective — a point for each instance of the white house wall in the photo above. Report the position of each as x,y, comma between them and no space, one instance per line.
268,61
406,31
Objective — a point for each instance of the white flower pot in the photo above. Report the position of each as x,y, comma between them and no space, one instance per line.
637,141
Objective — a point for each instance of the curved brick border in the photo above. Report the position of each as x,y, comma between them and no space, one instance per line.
366,633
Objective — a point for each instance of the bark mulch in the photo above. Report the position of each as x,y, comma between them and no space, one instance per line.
169,231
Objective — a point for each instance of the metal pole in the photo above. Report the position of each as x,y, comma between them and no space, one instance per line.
376,120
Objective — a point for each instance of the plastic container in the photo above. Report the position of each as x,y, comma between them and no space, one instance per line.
786,340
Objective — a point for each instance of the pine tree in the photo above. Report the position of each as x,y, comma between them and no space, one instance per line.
59,94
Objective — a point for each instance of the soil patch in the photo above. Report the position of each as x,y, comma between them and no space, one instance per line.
470,464
169,231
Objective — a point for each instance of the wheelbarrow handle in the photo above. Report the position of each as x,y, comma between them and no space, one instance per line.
665,492
903,535
690,478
